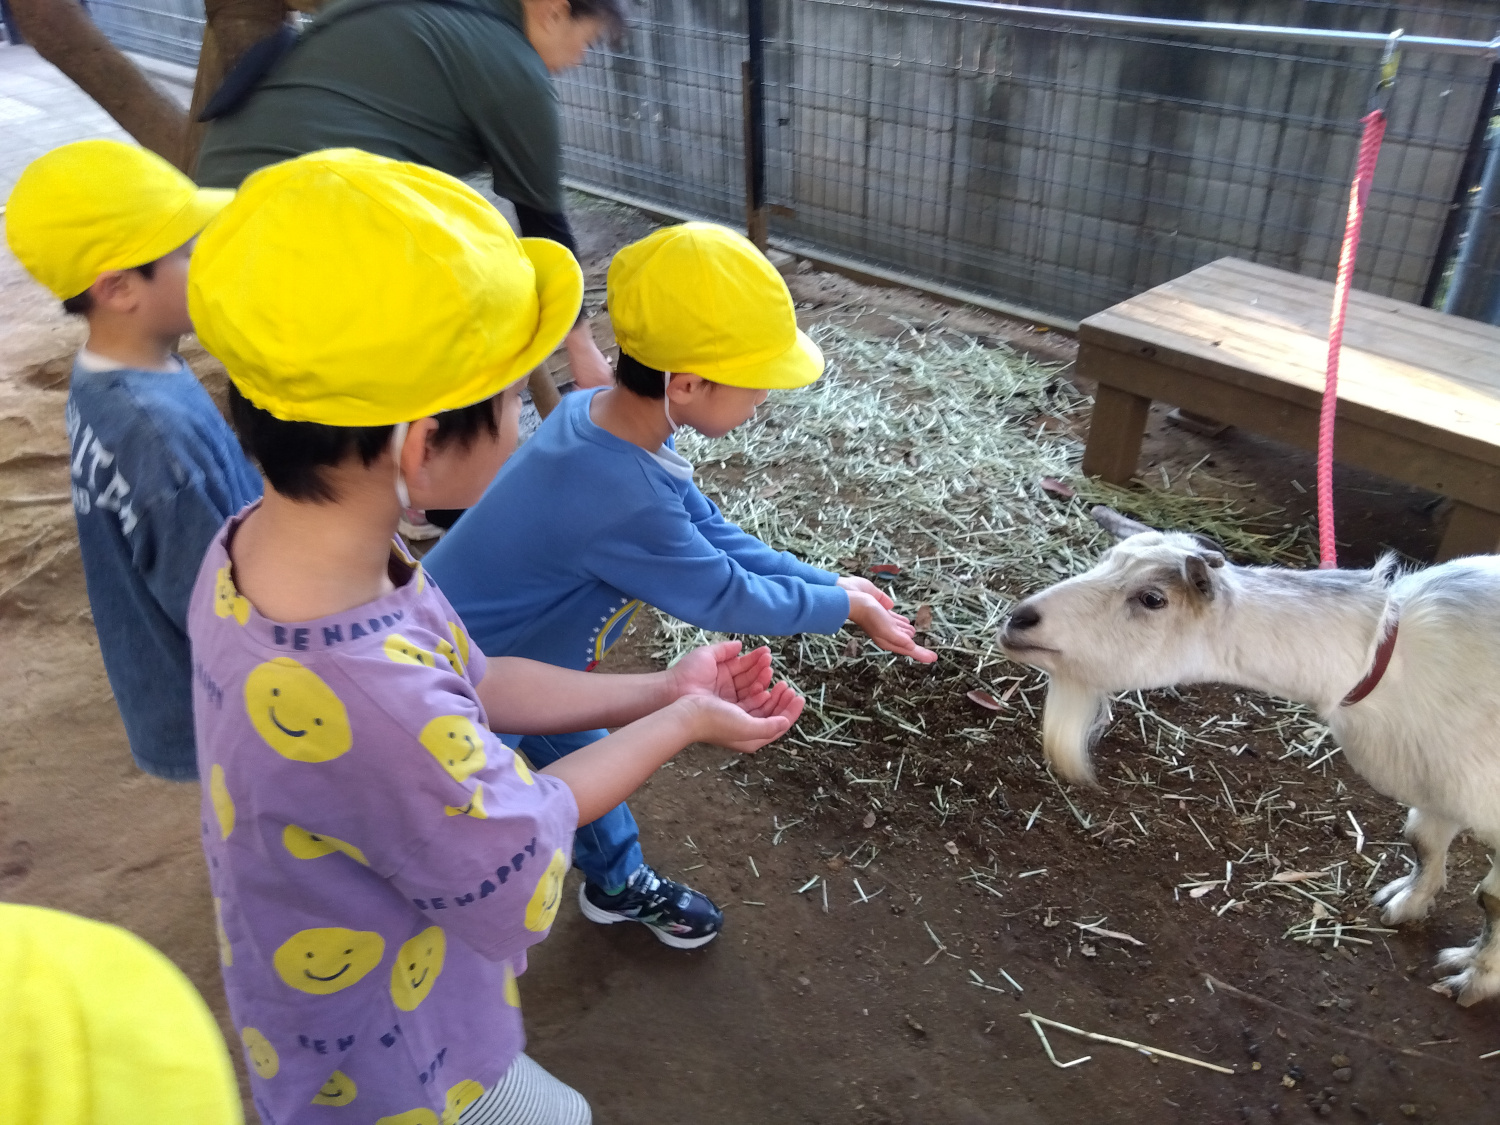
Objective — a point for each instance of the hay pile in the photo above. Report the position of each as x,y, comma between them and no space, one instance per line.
926,451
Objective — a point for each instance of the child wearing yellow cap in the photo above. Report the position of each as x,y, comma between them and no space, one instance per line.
598,514
108,228
101,1029
380,862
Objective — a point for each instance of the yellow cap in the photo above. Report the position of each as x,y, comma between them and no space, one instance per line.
700,298
100,1027
93,206
354,290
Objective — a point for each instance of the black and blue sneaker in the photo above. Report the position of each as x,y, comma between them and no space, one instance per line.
676,914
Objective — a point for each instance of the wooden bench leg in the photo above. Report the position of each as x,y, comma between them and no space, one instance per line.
1470,531
1116,428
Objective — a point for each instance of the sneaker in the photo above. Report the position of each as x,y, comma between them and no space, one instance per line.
678,915
413,525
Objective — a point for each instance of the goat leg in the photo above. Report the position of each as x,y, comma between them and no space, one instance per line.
1410,897
1478,977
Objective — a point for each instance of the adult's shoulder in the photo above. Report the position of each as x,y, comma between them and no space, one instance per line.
490,30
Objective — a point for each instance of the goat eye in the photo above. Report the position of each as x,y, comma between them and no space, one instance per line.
1151,599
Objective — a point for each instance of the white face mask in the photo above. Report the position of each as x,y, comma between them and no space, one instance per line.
666,402
398,441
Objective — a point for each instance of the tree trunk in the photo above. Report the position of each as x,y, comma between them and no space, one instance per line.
234,26
63,34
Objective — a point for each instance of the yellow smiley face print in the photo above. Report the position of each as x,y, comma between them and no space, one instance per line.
226,951
523,771
460,1097
461,644
456,743
403,651
418,963
512,990
262,1056
218,795
474,808
228,601
296,712
326,960
410,1117
338,1090
315,845
548,894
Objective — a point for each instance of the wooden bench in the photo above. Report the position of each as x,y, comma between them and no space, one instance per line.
1419,391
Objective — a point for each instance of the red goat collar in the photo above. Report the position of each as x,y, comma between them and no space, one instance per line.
1377,670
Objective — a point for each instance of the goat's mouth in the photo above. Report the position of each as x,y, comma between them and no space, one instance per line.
1011,646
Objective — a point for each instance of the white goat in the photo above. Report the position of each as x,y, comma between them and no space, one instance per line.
1164,608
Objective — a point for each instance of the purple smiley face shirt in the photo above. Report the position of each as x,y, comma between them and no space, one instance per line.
379,860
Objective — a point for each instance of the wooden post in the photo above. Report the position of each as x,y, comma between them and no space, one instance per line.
543,390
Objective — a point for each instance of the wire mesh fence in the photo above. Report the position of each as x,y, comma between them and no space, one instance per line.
161,29
1050,167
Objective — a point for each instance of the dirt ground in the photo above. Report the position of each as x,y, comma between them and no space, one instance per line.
889,991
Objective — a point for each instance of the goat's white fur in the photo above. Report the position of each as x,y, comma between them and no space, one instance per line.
1428,735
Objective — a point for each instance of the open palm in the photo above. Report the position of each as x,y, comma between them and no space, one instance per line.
723,671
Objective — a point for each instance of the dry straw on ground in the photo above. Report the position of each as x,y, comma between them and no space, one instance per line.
925,451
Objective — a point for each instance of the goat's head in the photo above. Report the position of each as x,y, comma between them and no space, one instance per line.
1139,619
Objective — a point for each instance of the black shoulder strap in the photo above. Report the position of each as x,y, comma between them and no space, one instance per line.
257,63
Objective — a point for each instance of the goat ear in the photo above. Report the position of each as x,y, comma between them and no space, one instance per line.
1121,527
1211,549
1195,568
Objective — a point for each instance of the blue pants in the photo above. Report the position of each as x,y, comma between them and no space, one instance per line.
609,850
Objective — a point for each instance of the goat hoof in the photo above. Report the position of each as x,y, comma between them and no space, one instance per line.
1457,957
1470,986
1402,903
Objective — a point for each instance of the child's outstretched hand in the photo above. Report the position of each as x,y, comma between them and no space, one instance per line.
731,693
740,727
872,609
722,670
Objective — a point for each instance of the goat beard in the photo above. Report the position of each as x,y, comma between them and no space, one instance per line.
1072,719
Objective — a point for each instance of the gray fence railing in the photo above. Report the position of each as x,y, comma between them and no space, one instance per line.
1050,166
160,29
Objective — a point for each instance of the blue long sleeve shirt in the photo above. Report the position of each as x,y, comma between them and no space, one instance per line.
155,472
580,528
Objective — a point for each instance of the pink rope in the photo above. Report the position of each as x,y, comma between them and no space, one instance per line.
1359,194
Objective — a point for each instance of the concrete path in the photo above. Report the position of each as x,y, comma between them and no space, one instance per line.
40,108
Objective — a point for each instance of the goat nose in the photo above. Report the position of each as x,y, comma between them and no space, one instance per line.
1024,617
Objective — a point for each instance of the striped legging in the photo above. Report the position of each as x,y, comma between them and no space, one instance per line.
527,1095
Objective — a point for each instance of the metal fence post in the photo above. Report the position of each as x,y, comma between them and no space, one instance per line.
1468,181
1474,290
753,80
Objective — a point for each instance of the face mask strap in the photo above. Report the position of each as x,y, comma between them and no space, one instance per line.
666,402
398,442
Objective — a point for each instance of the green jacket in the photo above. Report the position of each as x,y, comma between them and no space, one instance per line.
436,85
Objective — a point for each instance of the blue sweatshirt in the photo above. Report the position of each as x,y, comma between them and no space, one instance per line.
155,472
581,527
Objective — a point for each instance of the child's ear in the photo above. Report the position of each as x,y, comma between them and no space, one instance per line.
420,447
684,385
115,290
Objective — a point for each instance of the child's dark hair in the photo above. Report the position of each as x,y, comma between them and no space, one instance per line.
293,454
83,303
639,379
